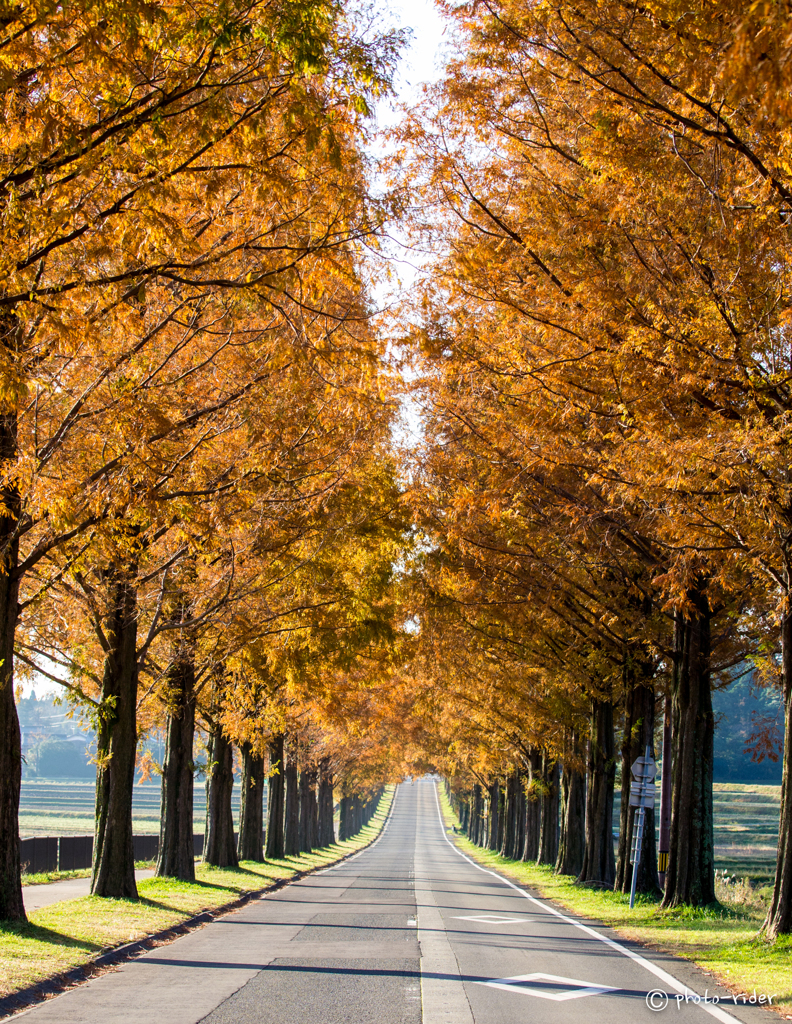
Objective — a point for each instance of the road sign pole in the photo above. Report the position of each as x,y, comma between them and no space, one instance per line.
638,828
642,792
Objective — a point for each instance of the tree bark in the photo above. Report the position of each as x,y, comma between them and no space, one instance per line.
599,866
113,852
533,816
519,811
494,806
250,845
219,845
12,907
691,864
176,857
476,828
325,816
275,799
639,720
779,916
305,827
343,819
572,840
313,809
548,827
291,843
509,825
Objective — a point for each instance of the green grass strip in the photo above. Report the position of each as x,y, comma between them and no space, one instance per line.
723,941
70,934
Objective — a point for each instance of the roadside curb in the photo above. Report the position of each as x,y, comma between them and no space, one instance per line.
18,1002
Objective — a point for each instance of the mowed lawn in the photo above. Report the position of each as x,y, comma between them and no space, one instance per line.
72,933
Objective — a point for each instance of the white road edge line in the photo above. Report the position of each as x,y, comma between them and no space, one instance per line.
658,972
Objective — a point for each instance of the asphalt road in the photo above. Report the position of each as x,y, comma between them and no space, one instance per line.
408,931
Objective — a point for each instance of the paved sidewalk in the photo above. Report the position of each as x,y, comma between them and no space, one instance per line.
38,896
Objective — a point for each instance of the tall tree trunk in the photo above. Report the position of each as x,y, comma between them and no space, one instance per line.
219,845
548,828
176,857
477,826
494,806
313,809
275,799
306,846
691,864
113,852
507,846
519,812
533,818
639,719
344,823
291,844
325,823
250,845
573,814
779,916
12,907
599,867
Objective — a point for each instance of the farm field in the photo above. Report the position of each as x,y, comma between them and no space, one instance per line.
746,829
746,819
57,808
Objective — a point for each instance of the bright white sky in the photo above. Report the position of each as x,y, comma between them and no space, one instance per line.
422,62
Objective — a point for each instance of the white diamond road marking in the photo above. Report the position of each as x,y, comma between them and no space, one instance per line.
492,919
522,984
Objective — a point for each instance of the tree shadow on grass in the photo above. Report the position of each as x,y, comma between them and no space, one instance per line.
238,871
39,933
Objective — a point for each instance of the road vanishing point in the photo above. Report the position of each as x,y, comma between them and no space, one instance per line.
409,931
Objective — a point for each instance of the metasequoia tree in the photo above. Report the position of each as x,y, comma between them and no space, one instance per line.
142,192
584,309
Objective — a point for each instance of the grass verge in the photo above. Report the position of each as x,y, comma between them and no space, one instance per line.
70,934
722,940
46,877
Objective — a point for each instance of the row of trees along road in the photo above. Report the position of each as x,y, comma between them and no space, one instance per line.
196,493
606,366
202,520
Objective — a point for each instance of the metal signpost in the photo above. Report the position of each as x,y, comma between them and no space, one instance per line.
642,795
